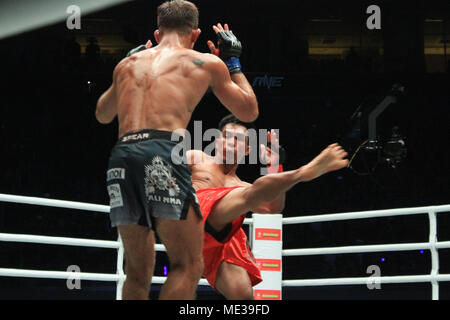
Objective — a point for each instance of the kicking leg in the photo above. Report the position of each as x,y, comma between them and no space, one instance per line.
270,187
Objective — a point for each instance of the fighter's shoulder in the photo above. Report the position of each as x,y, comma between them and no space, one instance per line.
128,62
120,67
204,59
211,57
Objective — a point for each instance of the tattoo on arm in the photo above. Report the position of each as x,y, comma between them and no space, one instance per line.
198,62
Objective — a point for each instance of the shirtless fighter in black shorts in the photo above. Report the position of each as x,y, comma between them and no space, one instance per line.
154,93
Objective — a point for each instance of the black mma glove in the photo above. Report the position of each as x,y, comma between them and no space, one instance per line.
230,50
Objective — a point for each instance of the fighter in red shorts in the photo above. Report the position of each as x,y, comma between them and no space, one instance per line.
225,199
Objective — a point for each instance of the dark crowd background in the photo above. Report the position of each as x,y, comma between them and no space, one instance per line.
317,72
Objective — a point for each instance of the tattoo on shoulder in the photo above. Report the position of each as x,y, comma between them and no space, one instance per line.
198,62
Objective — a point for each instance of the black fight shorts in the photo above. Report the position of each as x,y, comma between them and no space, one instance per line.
145,181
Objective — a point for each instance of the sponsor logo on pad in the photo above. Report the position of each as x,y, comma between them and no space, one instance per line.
268,234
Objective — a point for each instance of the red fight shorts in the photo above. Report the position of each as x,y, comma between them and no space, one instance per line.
232,247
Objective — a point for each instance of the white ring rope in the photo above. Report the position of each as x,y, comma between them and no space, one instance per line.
59,240
367,248
54,203
365,214
9,272
434,277
12,237
432,245
364,280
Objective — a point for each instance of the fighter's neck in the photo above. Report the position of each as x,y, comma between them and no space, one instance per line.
173,39
229,169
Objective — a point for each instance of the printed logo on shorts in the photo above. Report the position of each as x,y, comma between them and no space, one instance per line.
115,173
137,136
115,196
158,176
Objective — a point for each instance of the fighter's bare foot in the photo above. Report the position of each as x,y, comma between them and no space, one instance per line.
330,159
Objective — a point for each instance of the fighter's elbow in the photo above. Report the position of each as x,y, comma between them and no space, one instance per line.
278,208
251,112
101,117
254,114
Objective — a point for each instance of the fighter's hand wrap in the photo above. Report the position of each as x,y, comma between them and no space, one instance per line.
275,169
137,49
230,49
281,153
282,158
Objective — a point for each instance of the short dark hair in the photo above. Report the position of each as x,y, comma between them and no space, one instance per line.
177,15
232,119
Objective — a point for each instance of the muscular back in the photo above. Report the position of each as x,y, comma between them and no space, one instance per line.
159,88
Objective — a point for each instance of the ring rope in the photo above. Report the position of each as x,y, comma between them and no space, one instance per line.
119,277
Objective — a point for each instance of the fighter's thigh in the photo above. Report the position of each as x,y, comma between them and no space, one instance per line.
233,281
230,207
183,239
138,242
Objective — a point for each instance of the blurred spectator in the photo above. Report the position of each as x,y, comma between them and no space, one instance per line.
353,60
93,55
72,54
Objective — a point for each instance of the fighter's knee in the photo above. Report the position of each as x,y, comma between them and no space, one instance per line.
243,292
196,268
139,275
248,295
139,280
245,296
191,267
238,292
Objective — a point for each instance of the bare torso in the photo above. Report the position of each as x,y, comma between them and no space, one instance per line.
209,174
159,88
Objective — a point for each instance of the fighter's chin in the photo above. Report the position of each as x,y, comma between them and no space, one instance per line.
229,160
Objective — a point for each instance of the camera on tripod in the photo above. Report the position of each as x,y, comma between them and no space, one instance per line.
393,151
